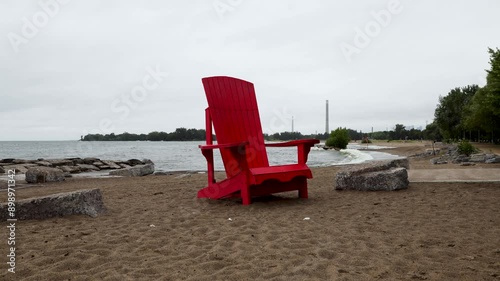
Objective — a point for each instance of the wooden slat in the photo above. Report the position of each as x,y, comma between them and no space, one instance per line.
235,115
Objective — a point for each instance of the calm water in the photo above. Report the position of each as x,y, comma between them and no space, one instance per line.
172,156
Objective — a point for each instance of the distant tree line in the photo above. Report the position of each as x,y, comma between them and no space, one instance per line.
183,134
398,133
180,134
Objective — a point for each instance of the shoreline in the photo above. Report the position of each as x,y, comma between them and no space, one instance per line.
156,229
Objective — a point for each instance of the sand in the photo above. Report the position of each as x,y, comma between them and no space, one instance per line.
156,229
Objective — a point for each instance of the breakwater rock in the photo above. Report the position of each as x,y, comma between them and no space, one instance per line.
69,166
385,175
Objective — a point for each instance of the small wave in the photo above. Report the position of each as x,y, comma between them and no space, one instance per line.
354,156
371,147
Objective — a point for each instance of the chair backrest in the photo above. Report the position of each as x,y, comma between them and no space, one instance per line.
235,116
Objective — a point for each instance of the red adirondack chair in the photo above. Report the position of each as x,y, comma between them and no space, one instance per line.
232,108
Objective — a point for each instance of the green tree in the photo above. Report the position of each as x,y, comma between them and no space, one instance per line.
399,132
450,112
338,139
431,132
483,113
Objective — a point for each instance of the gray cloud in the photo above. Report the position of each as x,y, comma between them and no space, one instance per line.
91,57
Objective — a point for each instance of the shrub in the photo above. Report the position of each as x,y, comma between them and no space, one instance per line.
338,139
465,147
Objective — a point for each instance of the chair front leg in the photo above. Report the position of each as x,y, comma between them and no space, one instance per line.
209,155
303,153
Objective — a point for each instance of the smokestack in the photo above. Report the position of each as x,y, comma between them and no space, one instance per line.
327,127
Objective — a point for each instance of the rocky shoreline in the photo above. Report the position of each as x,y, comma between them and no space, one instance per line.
44,170
450,154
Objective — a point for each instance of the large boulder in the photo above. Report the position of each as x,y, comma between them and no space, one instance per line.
136,171
82,202
380,175
44,174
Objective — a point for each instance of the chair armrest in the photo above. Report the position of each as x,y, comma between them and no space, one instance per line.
308,142
303,147
224,145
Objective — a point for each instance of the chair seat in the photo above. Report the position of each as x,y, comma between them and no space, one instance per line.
282,173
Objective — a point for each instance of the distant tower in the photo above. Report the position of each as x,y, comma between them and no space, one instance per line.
327,127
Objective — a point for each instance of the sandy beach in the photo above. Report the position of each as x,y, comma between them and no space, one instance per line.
156,229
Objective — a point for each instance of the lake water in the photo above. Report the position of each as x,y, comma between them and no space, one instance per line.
175,156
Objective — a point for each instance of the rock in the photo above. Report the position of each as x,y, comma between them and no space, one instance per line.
20,169
489,156
375,166
44,174
493,160
136,171
430,151
90,160
76,160
380,175
21,161
60,162
44,163
123,165
147,161
82,202
98,164
111,164
438,160
388,180
478,158
87,167
460,158
70,169
7,160
2,170
133,162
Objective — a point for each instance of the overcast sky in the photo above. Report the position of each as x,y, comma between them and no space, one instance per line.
68,68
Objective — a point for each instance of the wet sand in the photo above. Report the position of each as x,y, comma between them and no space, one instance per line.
156,229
